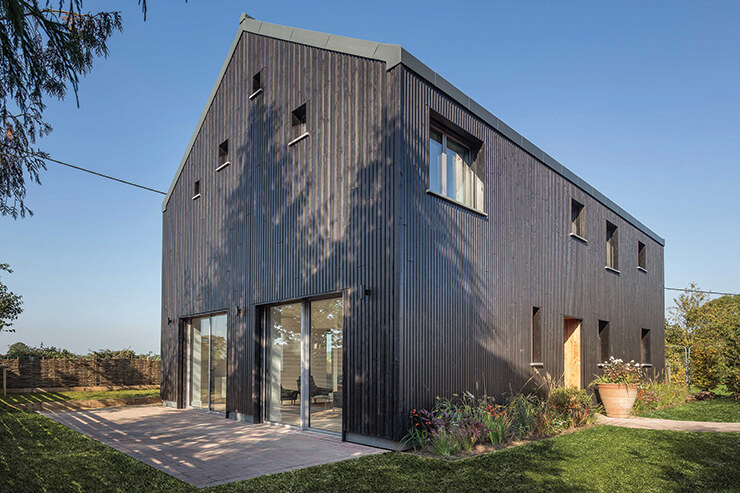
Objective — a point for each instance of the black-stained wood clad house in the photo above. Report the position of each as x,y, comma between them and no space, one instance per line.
349,235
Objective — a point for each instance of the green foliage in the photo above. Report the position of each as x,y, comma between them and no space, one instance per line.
22,351
42,455
721,409
458,424
617,371
19,350
574,407
25,398
655,394
10,304
45,50
712,329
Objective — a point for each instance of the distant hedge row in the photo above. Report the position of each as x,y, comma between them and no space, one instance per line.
24,351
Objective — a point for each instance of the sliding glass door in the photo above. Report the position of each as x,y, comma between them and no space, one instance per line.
303,364
325,363
282,403
207,362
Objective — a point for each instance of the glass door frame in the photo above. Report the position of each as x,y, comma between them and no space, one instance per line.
187,357
305,389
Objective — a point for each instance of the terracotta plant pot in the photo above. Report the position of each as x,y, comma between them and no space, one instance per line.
617,398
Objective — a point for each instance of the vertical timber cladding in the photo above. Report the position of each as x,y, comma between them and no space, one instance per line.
468,282
283,223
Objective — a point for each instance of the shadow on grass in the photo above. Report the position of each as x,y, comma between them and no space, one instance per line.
26,398
37,454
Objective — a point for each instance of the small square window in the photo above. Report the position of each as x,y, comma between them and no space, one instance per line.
576,219
641,256
299,127
196,190
223,155
612,244
604,348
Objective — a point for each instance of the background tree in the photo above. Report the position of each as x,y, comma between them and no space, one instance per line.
10,304
716,344
680,327
711,328
44,49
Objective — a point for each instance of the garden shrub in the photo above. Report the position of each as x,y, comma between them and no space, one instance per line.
655,394
459,424
572,407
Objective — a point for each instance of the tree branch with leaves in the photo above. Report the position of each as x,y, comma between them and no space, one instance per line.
45,47
10,304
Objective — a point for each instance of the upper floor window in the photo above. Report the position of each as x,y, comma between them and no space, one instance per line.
641,256
577,226
452,172
196,189
256,84
223,155
299,127
612,252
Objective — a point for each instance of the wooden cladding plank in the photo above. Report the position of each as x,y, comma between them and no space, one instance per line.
283,223
468,283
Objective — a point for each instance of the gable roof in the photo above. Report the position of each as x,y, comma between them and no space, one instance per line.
392,55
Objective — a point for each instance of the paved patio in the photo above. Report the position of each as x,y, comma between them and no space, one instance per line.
669,424
206,449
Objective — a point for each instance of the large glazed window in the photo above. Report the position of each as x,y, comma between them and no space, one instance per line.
451,170
207,361
304,362
327,350
283,403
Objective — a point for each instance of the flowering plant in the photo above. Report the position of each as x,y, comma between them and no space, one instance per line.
617,371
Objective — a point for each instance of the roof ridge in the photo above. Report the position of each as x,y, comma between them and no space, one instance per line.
392,55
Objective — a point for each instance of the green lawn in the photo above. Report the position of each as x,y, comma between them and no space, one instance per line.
75,396
37,454
719,409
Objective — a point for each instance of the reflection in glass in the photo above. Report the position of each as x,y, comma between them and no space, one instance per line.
326,365
218,363
282,403
208,363
435,162
199,362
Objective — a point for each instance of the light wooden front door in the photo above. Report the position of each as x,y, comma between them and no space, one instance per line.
572,352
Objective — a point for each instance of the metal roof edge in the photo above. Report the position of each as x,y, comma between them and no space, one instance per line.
421,69
203,114
392,55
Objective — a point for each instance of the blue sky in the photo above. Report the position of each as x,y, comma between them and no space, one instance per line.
639,99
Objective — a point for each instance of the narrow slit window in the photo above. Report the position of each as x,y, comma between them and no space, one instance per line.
576,219
612,252
536,335
299,122
641,256
645,357
196,189
604,348
223,155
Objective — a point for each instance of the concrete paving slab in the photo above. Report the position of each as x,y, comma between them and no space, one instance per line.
205,449
669,424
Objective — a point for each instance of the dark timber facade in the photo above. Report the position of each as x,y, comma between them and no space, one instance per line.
269,215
